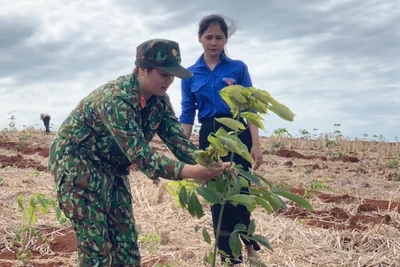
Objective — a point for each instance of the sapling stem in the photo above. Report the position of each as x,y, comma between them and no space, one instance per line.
221,212
217,233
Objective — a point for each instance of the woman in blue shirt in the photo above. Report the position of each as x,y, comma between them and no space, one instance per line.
212,72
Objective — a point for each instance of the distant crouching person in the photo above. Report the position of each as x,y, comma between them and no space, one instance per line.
46,120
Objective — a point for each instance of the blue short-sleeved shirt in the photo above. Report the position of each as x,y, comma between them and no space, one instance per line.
201,92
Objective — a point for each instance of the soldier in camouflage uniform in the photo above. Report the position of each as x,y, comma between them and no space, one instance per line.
107,132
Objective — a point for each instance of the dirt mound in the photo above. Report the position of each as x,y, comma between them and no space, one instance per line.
315,166
288,163
340,219
346,158
286,153
62,245
330,198
8,145
19,161
41,151
337,218
327,198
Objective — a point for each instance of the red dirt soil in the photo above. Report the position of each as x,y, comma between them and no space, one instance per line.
286,153
19,161
41,151
315,166
62,246
337,218
328,198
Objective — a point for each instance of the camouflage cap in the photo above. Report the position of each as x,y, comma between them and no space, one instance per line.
161,54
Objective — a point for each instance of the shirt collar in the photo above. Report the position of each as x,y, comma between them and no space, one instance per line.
133,87
201,62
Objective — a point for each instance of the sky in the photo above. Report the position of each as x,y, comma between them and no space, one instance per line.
330,62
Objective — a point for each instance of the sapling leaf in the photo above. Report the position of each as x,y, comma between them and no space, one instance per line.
263,96
191,207
232,104
282,111
233,124
221,132
58,212
203,158
26,215
194,206
242,199
245,200
264,204
206,236
220,184
261,240
251,228
209,195
33,219
199,208
210,257
235,93
243,150
20,200
272,200
252,178
257,191
32,203
243,181
257,106
251,89
281,202
267,182
44,207
293,197
240,227
214,142
183,197
254,119
236,186
212,184
235,244
229,144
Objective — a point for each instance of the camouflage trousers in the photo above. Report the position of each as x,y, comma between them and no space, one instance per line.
105,232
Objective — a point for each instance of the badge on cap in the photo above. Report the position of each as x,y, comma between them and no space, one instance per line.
174,52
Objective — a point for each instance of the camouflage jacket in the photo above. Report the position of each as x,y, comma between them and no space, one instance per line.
108,131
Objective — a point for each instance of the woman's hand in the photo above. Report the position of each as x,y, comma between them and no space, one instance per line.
257,156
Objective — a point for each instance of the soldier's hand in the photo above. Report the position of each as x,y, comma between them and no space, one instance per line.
201,173
205,173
